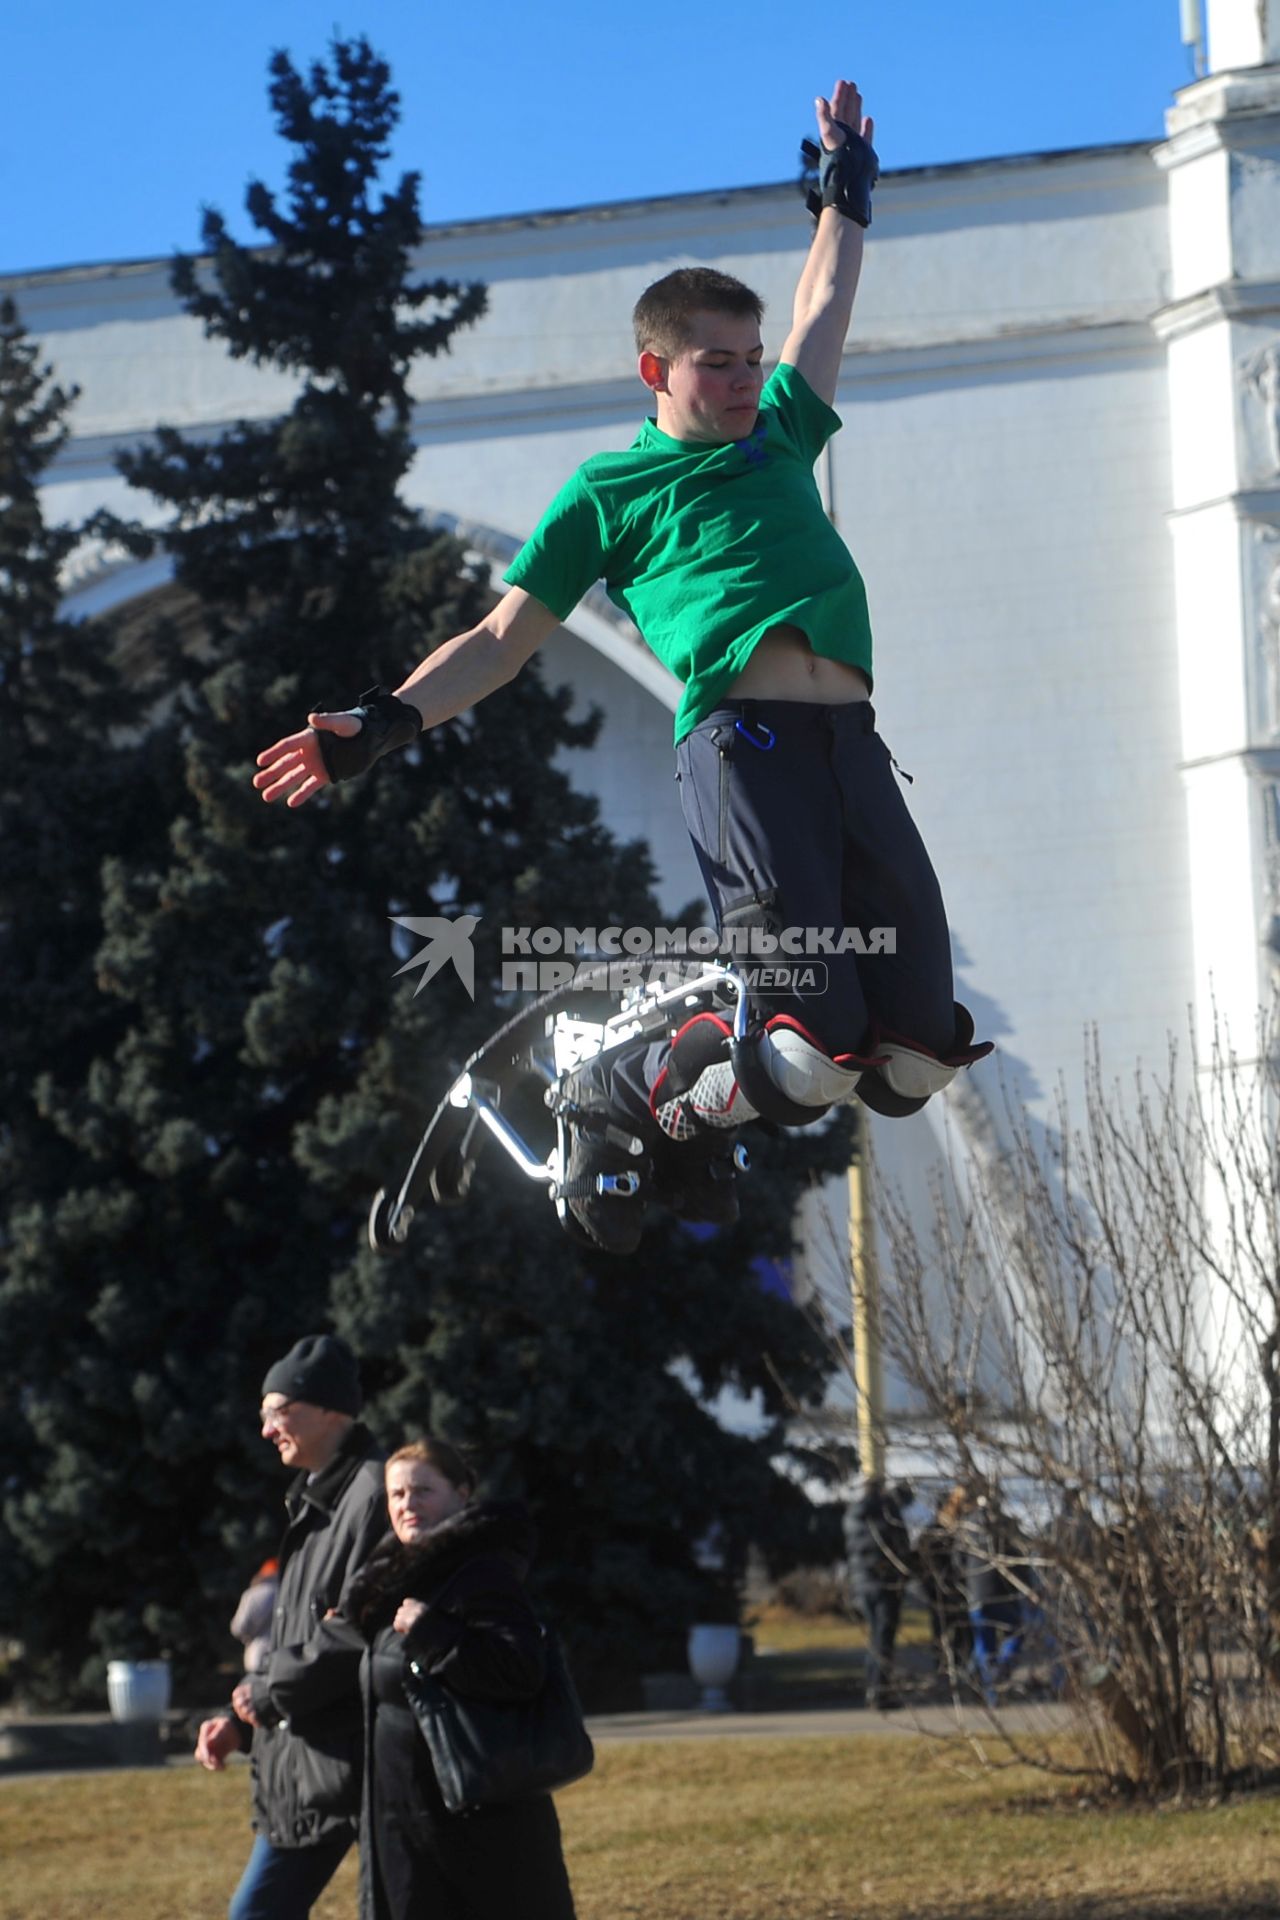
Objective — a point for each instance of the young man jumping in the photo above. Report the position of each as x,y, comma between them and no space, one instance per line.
709,532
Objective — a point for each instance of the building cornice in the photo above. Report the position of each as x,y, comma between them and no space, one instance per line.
1229,300
866,364
1260,763
1224,110
1004,177
1247,503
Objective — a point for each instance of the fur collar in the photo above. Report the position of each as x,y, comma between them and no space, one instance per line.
501,1529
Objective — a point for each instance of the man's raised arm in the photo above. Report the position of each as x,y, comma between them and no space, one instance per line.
336,746
824,296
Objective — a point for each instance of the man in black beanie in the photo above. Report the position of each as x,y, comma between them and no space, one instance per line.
299,1716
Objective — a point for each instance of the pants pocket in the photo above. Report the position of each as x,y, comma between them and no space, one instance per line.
702,769
725,750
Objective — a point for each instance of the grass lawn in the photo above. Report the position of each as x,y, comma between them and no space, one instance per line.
732,1829
809,1660
781,1630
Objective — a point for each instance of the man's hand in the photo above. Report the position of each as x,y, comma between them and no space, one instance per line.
219,1739
841,204
452,679
242,1704
294,769
408,1614
339,746
845,106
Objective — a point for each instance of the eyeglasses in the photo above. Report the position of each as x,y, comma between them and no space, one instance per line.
273,1413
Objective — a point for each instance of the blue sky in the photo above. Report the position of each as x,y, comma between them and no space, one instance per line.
118,123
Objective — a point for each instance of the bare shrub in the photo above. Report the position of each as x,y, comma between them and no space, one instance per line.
1090,1327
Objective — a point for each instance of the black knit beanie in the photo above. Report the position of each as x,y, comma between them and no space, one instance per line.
320,1369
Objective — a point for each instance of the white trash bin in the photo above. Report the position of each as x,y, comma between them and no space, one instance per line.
713,1661
138,1691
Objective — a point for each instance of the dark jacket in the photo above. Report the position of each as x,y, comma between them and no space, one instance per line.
878,1544
994,1560
938,1562
306,1752
481,1638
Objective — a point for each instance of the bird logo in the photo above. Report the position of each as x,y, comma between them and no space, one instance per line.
447,940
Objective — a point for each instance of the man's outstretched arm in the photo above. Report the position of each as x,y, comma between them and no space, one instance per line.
457,675
824,296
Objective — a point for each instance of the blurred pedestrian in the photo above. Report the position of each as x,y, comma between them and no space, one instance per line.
997,1582
880,1566
251,1621
299,1714
938,1560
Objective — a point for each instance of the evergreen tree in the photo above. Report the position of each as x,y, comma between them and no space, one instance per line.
40,730
61,705
57,705
264,1072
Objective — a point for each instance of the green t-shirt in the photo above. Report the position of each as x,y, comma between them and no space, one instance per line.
705,547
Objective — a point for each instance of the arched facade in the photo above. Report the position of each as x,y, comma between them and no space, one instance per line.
1059,471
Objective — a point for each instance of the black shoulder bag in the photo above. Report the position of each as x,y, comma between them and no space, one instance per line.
487,1752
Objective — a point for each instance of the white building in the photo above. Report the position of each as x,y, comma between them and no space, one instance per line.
1060,474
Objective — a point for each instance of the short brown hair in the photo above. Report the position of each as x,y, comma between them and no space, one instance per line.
664,312
440,1455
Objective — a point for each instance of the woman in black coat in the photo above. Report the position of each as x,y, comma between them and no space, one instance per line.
880,1565
446,1589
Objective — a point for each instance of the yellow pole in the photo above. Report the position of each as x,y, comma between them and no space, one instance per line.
864,1277
864,1280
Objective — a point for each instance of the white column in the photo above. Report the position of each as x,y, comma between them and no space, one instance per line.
1222,333
1242,33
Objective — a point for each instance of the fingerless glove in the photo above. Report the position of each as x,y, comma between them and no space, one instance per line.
846,175
385,722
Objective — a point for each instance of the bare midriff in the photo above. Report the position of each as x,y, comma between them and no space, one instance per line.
785,667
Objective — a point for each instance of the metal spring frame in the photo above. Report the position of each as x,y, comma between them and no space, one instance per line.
619,1027
626,1024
